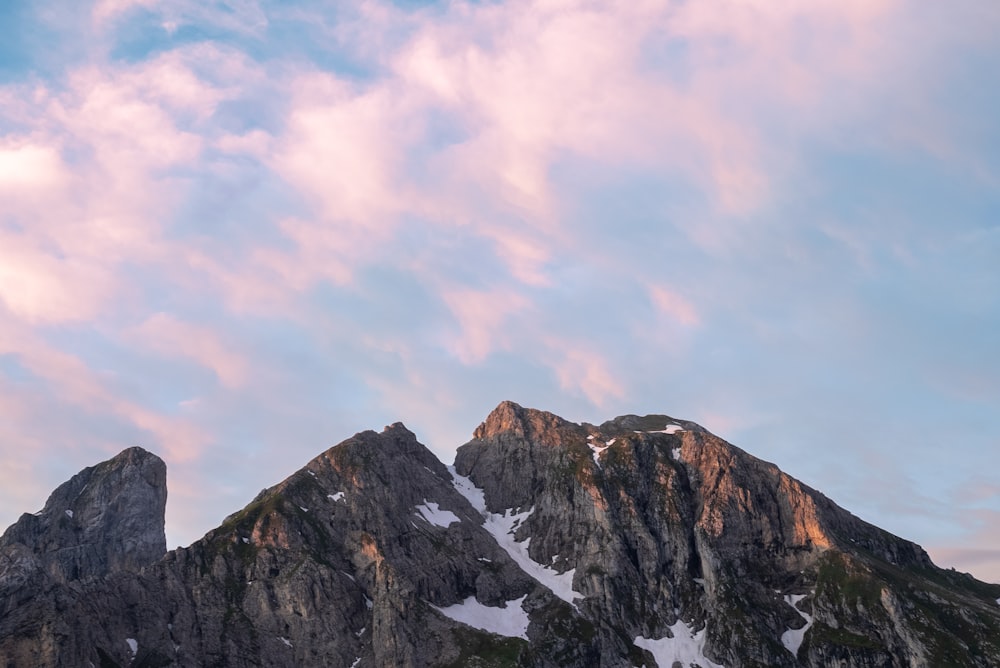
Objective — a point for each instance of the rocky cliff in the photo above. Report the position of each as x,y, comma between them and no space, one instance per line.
644,541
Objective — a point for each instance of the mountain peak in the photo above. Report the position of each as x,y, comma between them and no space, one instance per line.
511,420
507,416
107,518
646,541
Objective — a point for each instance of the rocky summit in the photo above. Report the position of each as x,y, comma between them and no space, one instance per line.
643,541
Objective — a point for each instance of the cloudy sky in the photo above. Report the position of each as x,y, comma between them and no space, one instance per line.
236,232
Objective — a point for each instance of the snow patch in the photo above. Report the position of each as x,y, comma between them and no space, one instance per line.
466,488
676,452
511,621
311,473
69,513
431,512
502,527
286,641
133,646
686,647
304,509
598,449
335,497
792,638
669,429
356,662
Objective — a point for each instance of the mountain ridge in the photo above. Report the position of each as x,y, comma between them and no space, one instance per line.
640,541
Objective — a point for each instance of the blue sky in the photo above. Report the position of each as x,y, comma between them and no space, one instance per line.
235,233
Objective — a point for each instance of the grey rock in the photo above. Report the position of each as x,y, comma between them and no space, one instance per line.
105,519
351,560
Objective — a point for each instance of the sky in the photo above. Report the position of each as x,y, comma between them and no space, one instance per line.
236,232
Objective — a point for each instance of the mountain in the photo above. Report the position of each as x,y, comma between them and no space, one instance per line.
644,541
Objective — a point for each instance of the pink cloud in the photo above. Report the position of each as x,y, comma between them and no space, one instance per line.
174,338
107,10
83,183
28,166
341,148
976,552
69,379
39,287
485,320
669,303
527,85
579,368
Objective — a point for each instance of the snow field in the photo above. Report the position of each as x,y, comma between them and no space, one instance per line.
502,527
686,647
792,638
511,621
433,514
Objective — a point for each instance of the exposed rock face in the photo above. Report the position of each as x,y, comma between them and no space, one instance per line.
642,541
664,522
105,519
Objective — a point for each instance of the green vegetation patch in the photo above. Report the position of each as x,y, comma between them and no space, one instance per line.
478,649
838,579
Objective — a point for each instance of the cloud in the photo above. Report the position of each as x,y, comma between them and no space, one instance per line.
485,320
979,552
421,210
583,370
29,167
68,379
670,303
107,10
87,187
174,338
341,147
41,288
474,107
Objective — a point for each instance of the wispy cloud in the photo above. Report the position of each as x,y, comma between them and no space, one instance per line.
776,215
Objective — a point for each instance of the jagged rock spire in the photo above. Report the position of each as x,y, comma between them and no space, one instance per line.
107,518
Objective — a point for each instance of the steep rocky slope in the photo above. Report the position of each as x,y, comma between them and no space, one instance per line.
642,541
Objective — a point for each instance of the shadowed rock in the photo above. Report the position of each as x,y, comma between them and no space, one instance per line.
644,541
107,518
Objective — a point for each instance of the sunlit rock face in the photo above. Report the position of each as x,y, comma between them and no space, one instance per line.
643,541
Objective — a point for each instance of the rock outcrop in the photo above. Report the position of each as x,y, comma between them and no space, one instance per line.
644,541
105,519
